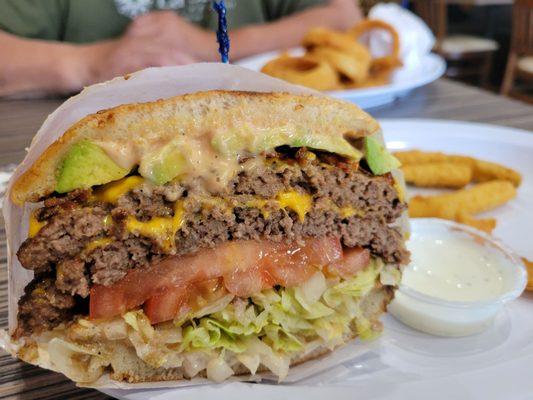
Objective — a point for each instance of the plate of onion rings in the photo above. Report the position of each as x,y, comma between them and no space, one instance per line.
342,65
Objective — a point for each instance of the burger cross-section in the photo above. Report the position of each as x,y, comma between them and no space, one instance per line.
209,234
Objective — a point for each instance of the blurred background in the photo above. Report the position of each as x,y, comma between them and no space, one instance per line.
56,47
486,43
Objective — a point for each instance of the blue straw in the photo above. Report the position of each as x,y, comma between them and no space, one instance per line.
222,32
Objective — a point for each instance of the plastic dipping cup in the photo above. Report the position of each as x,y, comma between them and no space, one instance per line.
457,281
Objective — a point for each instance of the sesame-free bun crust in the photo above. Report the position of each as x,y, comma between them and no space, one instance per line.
198,114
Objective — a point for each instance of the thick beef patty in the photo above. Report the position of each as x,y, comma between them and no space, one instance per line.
85,241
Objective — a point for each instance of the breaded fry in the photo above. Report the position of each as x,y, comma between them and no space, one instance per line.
486,224
420,157
481,197
438,174
482,171
529,268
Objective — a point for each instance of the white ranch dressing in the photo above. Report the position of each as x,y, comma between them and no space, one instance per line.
451,268
457,281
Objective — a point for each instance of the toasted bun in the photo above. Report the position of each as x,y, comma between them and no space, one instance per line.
197,115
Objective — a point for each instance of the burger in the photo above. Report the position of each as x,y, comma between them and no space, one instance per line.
211,234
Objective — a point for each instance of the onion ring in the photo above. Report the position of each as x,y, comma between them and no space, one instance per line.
380,64
322,37
305,71
349,67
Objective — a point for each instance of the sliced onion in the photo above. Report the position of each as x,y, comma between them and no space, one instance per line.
168,333
390,275
250,361
214,307
195,362
75,362
311,291
276,363
115,330
218,370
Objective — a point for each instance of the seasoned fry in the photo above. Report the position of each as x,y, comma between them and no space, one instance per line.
529,268
486,224
481,197
438,174
482,171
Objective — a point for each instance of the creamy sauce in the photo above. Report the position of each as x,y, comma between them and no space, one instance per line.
125,155
452,267
207,150
204,162
451,264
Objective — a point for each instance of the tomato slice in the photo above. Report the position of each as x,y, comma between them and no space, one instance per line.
178,301
245,283
245,266
354,260
170,303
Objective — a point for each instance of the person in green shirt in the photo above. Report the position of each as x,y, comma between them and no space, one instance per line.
60,46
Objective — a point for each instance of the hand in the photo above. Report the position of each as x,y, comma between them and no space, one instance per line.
129,54
167,29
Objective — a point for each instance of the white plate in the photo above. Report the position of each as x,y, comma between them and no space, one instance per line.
404,79
408,364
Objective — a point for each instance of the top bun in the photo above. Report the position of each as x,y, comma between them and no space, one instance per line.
141,126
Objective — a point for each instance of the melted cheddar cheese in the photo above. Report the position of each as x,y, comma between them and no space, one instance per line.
162,228
34,225
259,204
400,190
111,192
94,244
300,203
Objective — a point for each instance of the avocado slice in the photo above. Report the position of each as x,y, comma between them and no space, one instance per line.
86,165
378,158
333,144
232,143
165,164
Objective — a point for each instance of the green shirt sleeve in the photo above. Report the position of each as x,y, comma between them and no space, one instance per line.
38,19
275,9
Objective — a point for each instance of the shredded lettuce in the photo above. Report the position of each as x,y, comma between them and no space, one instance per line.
284,319
263,330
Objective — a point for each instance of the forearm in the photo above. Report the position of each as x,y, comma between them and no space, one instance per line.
34,67
289,31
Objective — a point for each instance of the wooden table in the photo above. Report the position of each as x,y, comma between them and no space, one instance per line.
19,120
